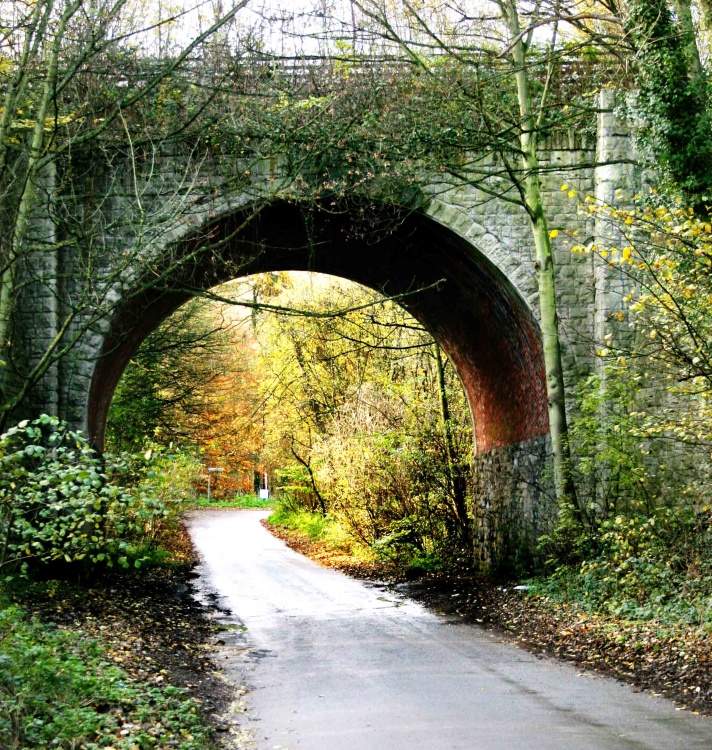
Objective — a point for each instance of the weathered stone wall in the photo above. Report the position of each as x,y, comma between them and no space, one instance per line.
476,239
514,505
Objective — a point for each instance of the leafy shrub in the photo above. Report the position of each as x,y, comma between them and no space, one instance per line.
615,466
314,526
403,541
639,544
60,501
654,565
390,490
162,483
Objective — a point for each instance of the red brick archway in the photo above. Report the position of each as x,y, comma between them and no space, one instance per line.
475,313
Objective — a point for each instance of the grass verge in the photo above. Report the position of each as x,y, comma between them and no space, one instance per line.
322,539
239,501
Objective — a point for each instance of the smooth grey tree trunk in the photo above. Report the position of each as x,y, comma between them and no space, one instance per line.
534,204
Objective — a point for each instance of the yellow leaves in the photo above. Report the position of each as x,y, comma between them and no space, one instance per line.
627,252
50,123
571,192
553,234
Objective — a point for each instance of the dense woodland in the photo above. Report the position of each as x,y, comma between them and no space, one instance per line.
344,401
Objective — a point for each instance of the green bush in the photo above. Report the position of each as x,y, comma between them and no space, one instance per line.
656,565
316,527
57,692
60,501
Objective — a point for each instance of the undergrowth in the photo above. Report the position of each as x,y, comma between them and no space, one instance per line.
58,691
318,528
645,566
638,545
393,549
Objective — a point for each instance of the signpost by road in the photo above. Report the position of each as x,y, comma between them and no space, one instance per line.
211,469
264,489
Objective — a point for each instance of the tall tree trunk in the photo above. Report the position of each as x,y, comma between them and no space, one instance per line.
556,396
456,481
312,480
683,11
27,197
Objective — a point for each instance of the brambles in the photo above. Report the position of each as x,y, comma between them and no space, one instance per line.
61,502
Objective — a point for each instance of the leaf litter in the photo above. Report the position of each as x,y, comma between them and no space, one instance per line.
151,626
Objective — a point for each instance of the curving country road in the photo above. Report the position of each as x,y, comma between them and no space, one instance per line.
337,664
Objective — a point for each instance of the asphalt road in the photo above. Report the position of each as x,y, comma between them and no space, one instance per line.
336,664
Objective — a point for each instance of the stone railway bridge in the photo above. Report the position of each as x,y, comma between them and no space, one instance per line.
474,257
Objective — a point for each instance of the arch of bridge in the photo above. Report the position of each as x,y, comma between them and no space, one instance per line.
477,299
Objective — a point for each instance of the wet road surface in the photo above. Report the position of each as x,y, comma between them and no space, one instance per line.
335,664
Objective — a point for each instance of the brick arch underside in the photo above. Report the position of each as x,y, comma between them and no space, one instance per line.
475,313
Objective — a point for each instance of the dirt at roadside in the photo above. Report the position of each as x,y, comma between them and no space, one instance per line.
675,662
155,630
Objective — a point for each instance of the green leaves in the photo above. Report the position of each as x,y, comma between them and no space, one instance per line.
672,105
57,689
58,504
